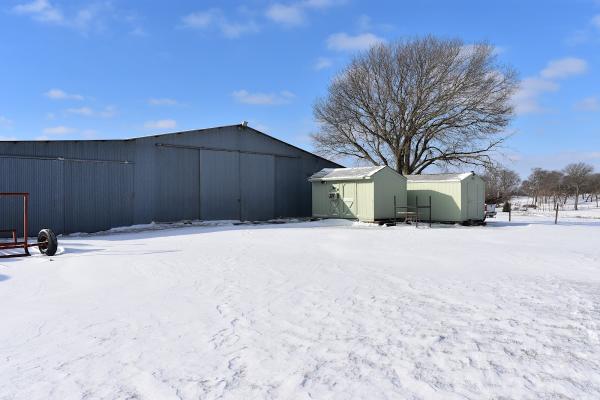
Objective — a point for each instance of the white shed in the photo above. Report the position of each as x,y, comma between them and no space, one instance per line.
454,197
363,193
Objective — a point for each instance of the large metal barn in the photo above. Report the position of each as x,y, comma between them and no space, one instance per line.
230,172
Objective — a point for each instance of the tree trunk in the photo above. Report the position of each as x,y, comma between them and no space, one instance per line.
576,197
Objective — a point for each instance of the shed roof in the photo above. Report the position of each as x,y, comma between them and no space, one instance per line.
345,174
439,177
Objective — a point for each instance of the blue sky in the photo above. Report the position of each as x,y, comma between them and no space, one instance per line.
111,69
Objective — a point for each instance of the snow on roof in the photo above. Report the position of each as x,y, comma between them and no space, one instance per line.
342,174
439,177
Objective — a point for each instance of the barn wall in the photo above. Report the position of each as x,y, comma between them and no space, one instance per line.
220,173
73,186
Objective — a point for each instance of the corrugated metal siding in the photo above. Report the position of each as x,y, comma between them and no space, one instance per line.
43,179
103,184
220,183
100,196
288,186
178,190
257,186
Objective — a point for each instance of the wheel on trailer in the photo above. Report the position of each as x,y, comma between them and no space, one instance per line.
48,243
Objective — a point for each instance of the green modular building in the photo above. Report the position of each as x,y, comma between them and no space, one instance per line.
454,197
363,193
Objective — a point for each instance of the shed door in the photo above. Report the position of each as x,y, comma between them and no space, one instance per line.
334,196
471,200
348,200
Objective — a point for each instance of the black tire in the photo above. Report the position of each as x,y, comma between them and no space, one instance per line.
48,243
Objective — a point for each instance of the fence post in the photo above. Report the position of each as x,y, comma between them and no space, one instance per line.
556,215
417,211
509,212
430,211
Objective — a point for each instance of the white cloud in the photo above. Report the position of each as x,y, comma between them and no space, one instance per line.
216,19
243,96
322,3
344,42
234,30
323,63
527,98
85,111
57,94
200,19
5,122
588,104
294,14
596,21
89,134
93,16
290,15
60,130
162,102
564,67
161,124
40,10
107,112
7,138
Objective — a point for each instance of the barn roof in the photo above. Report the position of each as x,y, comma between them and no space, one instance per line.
439,177
173,134
345,174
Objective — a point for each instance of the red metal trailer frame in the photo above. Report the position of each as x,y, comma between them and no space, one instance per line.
16,244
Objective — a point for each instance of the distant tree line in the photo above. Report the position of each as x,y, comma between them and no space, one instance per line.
576,180
501,184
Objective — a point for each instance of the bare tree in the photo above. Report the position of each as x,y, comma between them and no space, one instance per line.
501,184
417,103
576,176
543,185
594,186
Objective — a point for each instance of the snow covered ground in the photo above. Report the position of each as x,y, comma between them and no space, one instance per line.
319,310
